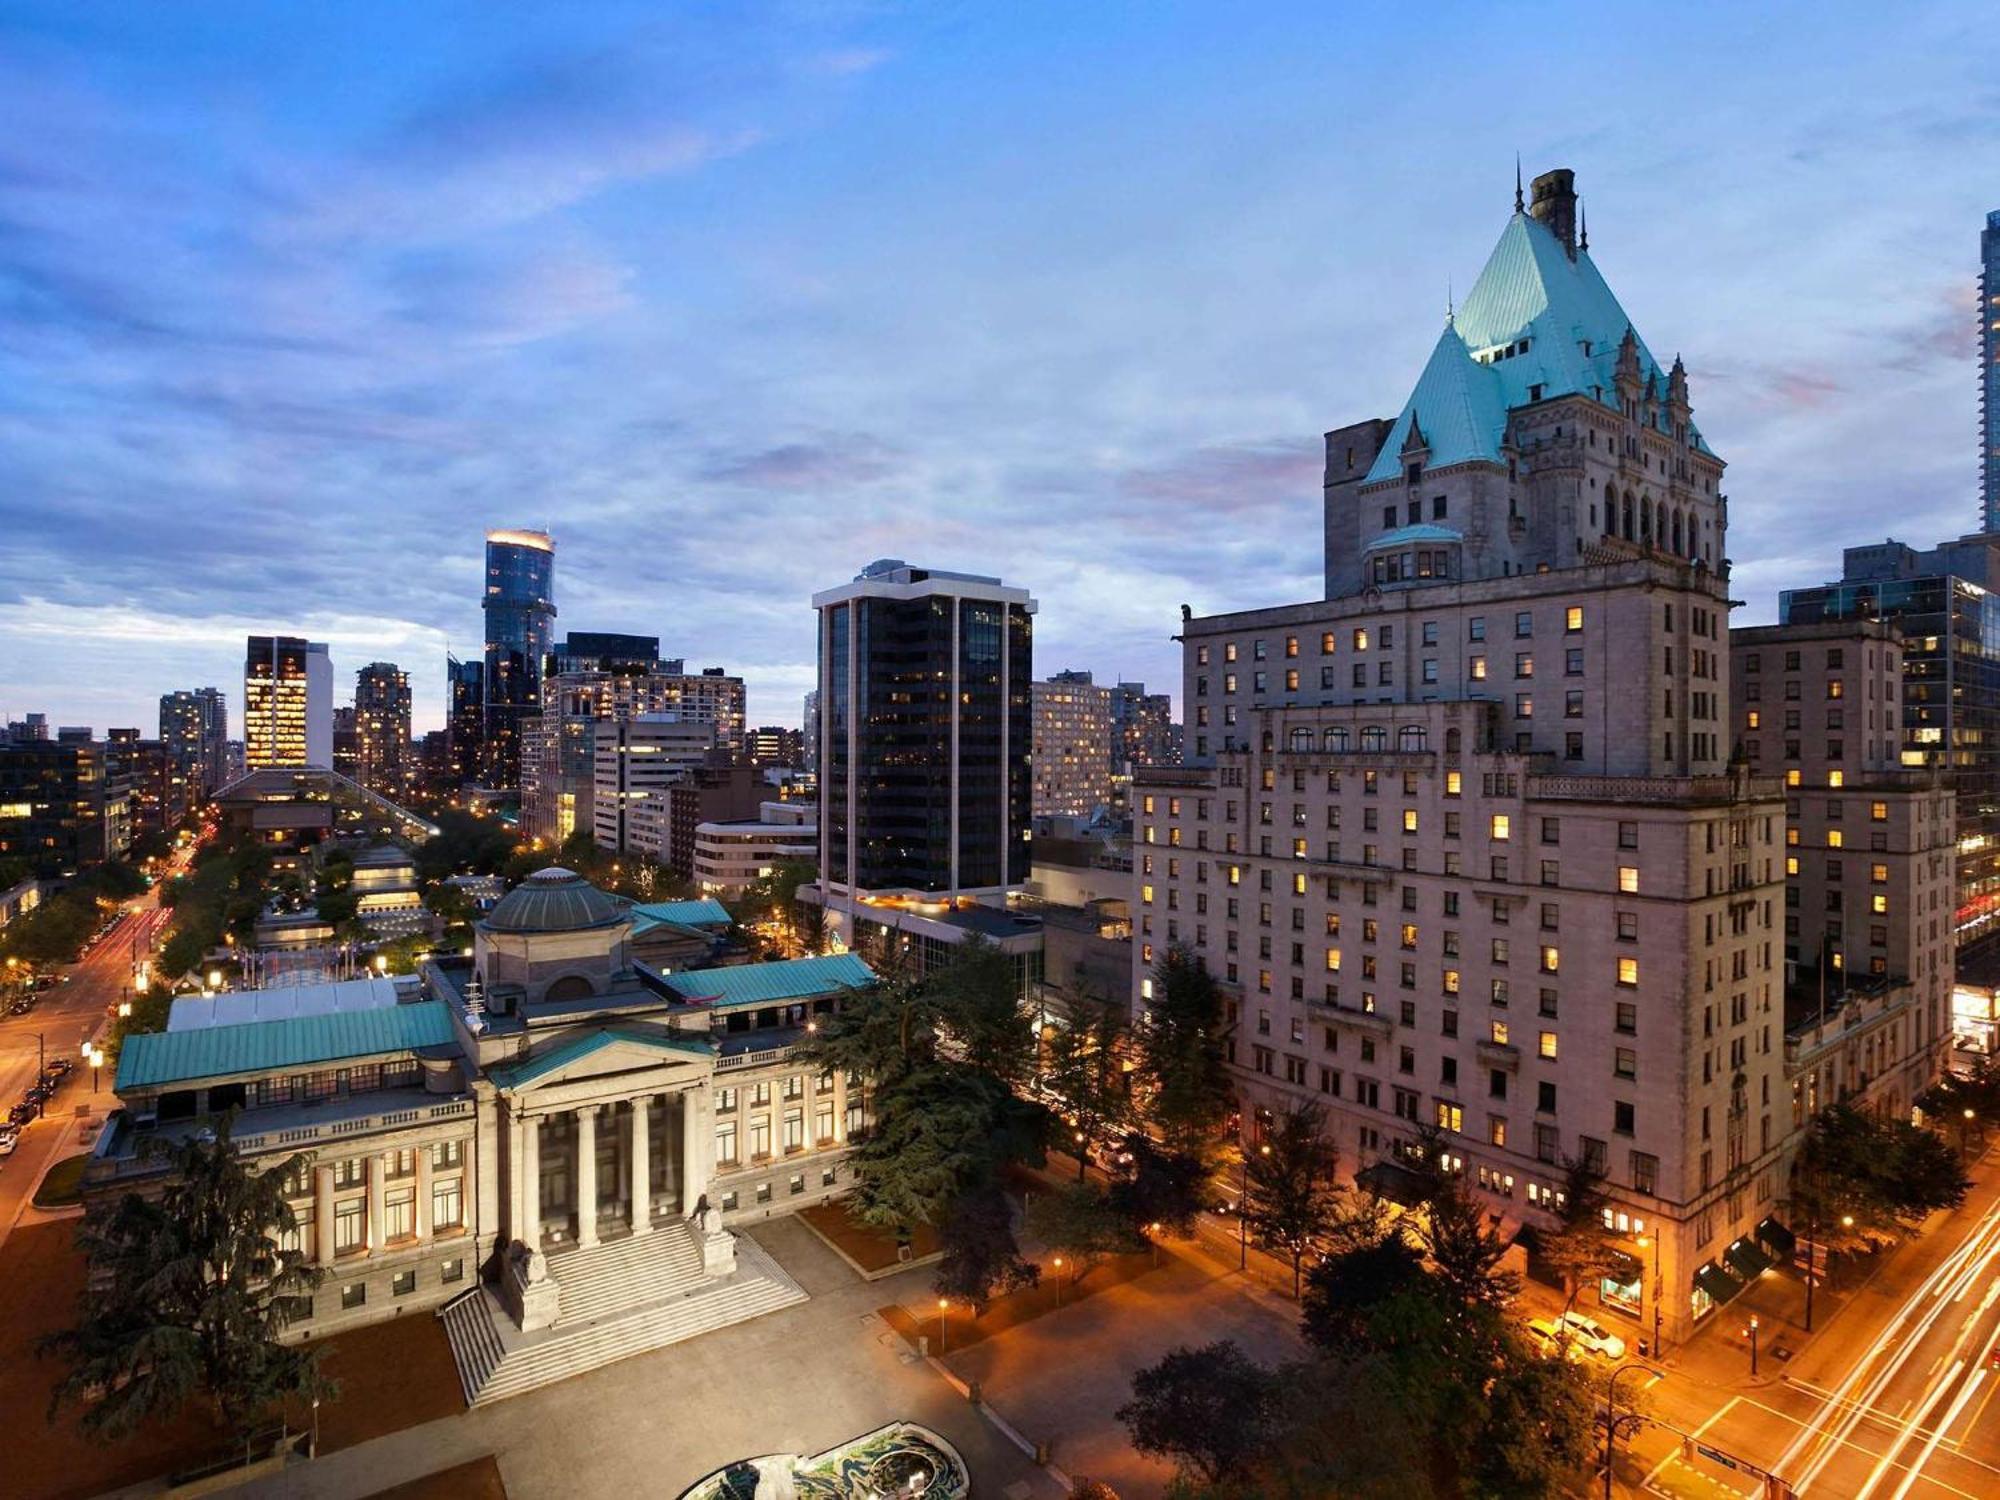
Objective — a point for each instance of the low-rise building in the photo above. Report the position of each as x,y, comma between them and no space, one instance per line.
729,857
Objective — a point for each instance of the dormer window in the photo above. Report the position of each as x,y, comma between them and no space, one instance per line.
1534,393
1414,473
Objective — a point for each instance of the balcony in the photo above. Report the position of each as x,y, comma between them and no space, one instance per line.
1499,1055
1670,791
1374,1022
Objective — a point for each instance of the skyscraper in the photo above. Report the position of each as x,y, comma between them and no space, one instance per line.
1074,745
1144,726
1989,368
520,624
382,722
287,703
465,717
1462,841
925,784
194,726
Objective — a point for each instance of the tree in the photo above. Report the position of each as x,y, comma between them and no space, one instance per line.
979,1015
1292,1186
1181,1056
1579,1248
1155,1187
189,1293
981,1256
1084,1073
1209,1410
1079,1224
1864,1182
1347,1289
1465,1253
1540,1434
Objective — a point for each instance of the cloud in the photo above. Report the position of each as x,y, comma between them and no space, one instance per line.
834,459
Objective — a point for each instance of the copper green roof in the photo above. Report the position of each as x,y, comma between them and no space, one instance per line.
150,1059
1536,320
773,983
571,1048
704,913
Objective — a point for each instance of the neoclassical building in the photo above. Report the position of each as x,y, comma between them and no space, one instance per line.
527,1139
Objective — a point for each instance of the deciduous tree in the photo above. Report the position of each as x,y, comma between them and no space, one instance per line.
1293,1190
1208,1409
1181,1054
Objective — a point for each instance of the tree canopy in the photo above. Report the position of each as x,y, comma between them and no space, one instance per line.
1861,1181
1181,1054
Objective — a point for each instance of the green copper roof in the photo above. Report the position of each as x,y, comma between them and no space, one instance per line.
773,983
163,1057
702,913
571,1048
1529,290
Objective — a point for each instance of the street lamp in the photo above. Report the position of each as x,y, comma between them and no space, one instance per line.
1752,1331
1079,1156
1964,1124
1153,1229
1058,1265
215,979
943,1303
1243,1211
1654,1241
1611,1415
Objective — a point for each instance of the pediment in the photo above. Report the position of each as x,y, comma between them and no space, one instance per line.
604,1051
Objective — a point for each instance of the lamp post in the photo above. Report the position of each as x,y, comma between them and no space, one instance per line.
1654,1241
1243,1211
1611,1416
1079,1156
1058,1265
1964,1125
1153,1231
1753,1343
943,1303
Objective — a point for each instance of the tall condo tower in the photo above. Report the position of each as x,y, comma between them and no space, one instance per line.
287,703
520,626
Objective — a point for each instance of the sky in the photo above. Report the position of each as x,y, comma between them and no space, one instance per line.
295,301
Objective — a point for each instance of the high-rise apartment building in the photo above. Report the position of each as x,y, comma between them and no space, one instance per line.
58,808
287,703
382,728
194,726
520,624
1462,841
775,745
1869,846
1074,745
1143,723
1989,369
1944,603
634,758
465,717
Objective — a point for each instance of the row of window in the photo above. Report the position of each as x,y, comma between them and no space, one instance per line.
1383,637
791,1133
404,1283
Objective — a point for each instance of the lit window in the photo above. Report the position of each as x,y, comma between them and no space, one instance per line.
1879,811
1333,960
1551,959
1502,828
1409,820
1453,782
1791,864
1792,776
1478,669
1360,639
1628,971
1548,1044
1628,879
1573,618
1500,1032
1834,838
1878,874
1880,904
1756,719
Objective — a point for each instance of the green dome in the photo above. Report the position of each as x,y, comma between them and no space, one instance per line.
555,900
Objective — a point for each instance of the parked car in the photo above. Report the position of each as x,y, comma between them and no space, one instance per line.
62,1067
7,1143
21,1113
1589,1334
1547,1336
20,1007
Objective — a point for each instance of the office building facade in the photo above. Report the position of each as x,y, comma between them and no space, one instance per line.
287,703
465,718
58,810
631,760
194,726
926,735
1989,370
1075,745
520,611
1463,842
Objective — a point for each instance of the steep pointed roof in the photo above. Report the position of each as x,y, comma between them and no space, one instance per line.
1531,291
1457,408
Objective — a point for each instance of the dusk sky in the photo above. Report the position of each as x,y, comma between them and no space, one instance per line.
296,300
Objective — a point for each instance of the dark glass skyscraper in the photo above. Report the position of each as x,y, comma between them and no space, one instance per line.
1989,369
520,626
925,780
465,724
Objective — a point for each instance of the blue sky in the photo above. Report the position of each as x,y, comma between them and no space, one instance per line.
296,300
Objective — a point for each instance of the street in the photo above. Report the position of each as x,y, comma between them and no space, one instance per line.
64,1017
1890,1399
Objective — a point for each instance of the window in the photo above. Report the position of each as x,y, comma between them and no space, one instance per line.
399,1214
1551,959
349,1221
403,1283
1628,971
1573,619
1625,1062
1501,827
448,1154
1546,1047
1628,879
452,1270
1524,625
1623,1117
353,1295
725,1142
447,1206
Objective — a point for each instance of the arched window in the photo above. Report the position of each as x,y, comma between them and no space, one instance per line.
1452,740
1374,737
1645,519
1628,516
1267,742
1410,737
1301,739
1677,532
1336,741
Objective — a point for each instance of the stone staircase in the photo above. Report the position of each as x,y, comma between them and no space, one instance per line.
618,1300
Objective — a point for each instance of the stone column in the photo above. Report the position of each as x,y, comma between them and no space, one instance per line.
377,1216
586,1176
642,1166
840,1106
423,1201
695,1124
529,1165
323,1215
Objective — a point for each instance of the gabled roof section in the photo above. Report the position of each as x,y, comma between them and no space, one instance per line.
703,913
153,1059
1406,536
575,1048
773,983
1457,407
1530,290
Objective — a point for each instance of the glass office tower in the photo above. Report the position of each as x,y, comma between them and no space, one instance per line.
520,627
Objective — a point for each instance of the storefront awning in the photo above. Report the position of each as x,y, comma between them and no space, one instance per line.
1718,1283
1777,1239
1747,1259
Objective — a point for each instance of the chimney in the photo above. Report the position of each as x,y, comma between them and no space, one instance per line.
1555,205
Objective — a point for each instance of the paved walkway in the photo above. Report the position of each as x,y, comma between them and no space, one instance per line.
799,1380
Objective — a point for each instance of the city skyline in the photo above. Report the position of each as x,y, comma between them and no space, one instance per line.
547,290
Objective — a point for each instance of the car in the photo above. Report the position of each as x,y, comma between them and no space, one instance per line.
21,1113
19,1008
1587,1333
1547,1336
7,1143
61,1067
